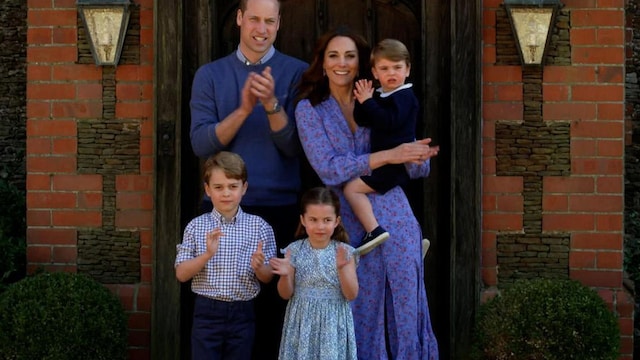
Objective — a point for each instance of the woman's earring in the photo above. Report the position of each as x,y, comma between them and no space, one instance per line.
324,72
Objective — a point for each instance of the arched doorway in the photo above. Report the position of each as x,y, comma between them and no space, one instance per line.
442,38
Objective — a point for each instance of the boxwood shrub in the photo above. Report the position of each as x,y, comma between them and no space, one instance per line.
61,316
548,319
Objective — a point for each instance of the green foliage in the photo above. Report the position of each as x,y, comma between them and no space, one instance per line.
12,233
61,316
632,245
550,319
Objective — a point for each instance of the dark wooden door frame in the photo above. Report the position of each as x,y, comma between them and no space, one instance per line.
453,87
165,301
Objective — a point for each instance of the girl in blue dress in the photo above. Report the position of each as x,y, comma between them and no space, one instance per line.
318,277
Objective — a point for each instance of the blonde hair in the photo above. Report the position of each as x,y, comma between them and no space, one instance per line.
390,49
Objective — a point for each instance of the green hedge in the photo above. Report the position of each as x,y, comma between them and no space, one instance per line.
61,316
546,319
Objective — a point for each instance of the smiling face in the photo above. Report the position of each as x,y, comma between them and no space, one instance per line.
391,74
319,220
259,24
225,192
341,62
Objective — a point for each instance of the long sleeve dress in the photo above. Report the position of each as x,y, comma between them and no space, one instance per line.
391,276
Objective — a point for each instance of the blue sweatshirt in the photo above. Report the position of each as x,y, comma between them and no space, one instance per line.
272,158
391,116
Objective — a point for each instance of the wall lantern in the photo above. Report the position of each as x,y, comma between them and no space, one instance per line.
532,21
106,24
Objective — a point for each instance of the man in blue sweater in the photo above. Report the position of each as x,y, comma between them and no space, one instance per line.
244,103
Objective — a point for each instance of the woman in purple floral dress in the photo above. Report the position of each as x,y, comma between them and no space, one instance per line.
391,313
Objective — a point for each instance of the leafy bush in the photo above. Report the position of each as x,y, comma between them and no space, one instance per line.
548,319
61,316
12,233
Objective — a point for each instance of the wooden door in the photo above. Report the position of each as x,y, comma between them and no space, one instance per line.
442,37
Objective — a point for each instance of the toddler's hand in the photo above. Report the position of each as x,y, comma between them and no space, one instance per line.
363,90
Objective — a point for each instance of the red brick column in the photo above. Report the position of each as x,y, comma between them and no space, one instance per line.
60,200
588,204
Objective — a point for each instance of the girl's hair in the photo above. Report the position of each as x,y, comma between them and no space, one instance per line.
231,163
322,196
390,49
314,84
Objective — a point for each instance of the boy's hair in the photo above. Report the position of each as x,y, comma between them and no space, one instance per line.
322,196
230,163
390,49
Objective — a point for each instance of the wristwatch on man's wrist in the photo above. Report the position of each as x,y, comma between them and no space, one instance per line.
276,109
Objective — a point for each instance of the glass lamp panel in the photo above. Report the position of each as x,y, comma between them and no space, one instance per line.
104,30
532,29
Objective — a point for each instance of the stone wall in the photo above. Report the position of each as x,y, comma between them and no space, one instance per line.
532,149
13,50
110,146
554,154
90,173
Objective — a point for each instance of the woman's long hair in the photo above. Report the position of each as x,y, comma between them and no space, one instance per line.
314,84
322,196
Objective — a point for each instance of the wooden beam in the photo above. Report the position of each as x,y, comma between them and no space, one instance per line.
465,170
165,309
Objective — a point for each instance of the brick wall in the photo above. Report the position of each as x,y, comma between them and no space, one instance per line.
553,155
559,208
89,157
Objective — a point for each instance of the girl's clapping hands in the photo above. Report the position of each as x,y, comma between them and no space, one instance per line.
282,266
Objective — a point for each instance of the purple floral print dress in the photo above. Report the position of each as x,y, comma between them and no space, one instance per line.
391,276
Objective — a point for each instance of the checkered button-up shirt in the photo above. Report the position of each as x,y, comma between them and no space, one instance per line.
228,275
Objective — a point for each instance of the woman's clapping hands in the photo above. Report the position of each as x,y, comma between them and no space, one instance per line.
414,152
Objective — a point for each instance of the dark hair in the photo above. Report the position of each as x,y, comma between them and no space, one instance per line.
231,163
314,85
322,196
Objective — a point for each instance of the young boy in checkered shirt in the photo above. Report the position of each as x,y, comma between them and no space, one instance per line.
226,254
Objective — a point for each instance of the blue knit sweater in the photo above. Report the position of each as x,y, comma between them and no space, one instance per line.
272,158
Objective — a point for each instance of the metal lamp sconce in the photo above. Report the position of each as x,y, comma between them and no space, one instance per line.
531,22
106,24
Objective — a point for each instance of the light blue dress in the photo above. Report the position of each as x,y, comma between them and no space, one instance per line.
318,323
